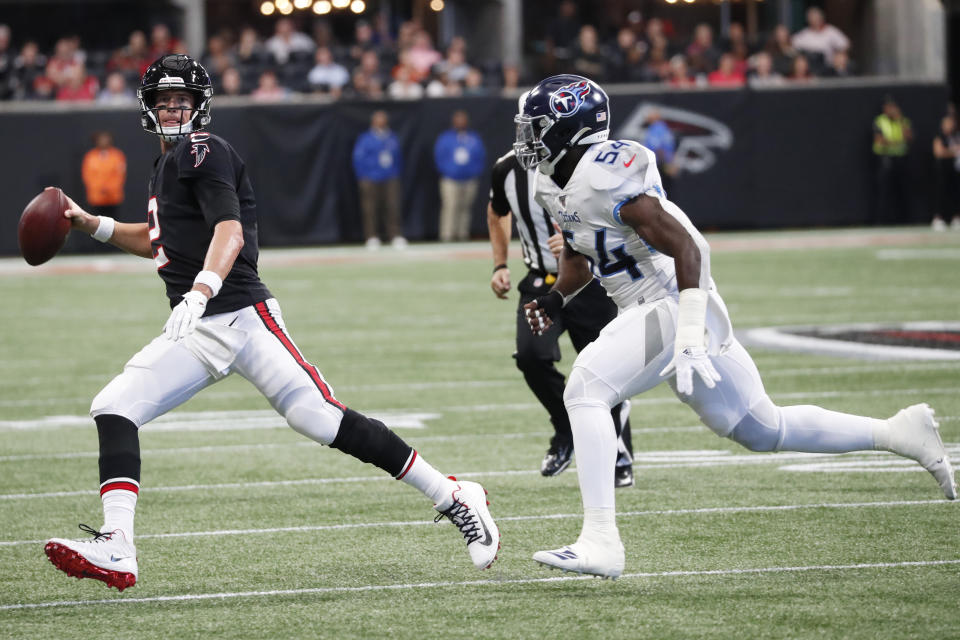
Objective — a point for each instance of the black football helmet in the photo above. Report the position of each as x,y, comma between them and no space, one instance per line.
175,71
559,113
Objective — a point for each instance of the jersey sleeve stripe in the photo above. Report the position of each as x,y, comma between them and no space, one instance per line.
287,343
616,210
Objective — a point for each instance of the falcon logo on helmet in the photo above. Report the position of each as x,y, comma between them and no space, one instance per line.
567,100
175,72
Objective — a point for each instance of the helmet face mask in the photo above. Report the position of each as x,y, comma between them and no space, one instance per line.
171,73
556,115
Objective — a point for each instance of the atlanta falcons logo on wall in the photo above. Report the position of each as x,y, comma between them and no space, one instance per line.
568,99
699,138
199,152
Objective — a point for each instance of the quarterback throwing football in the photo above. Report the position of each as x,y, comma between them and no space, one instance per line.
607,197
201,230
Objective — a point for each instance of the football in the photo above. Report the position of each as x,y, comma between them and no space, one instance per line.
43,228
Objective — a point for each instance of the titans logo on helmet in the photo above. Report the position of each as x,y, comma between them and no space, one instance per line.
568,99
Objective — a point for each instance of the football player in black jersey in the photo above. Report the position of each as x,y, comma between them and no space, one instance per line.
201,231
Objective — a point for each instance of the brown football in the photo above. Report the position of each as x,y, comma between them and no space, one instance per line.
43,228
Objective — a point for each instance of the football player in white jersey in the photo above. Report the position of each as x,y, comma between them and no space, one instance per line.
673,325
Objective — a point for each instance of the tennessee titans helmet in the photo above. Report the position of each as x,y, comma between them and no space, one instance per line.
559,113
175,71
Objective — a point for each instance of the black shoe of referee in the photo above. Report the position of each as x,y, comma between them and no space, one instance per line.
557,458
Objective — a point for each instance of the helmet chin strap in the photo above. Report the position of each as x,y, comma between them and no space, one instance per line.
547,167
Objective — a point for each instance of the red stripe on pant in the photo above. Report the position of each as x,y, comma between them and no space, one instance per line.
124,486
284,339
413,456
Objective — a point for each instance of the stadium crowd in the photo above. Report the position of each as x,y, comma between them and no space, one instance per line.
378,62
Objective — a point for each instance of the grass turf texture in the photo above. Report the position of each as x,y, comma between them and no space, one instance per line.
421,333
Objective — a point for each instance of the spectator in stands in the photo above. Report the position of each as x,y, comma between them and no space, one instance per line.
946,154
404,87
762,73
64,61
116,91
659,139
286,40
588,60
231,83
656,68
250,51
370,65
562,32
801,73
702,55
473,83
377,165
162,42
511,77
454,66
460,158
736,45
133,58
104,172
781,50
679,75
29,71
892,135
6,64
218,57
78,86
726,74
363,41
269,88
326,76
363,86
840,66
627,58
421,55
820,40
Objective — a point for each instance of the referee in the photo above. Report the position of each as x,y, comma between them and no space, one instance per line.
583,317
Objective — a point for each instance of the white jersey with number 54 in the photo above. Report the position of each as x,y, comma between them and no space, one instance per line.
608,175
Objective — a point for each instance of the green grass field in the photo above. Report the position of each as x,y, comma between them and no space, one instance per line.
247,530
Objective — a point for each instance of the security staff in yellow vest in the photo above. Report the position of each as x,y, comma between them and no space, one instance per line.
892,136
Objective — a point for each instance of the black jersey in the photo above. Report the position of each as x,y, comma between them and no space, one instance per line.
195,185
510,191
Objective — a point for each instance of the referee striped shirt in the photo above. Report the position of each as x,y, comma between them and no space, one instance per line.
510,192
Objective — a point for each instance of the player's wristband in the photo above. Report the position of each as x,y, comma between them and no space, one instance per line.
210,279
104,229
502,265
691,319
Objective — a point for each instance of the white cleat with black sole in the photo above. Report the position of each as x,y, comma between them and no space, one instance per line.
466,507
915,434
598,555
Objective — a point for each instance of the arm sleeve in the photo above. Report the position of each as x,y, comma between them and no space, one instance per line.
498,195
218,201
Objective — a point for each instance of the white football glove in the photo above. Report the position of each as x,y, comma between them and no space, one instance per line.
183,319
685,362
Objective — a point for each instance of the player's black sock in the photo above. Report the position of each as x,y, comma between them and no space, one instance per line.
372,442
119,448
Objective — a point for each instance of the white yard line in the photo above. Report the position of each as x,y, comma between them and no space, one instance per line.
552,516
494,582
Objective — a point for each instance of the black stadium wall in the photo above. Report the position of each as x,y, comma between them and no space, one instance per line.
752,159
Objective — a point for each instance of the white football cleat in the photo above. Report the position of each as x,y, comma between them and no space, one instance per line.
467,508
108,557
915,434
599,555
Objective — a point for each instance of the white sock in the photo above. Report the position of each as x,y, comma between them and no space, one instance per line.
119,505
420,474
816,430
595,446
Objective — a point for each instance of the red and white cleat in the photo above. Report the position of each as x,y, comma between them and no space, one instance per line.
108,557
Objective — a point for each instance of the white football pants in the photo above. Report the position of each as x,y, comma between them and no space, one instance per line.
626,359
252,342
